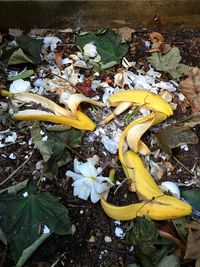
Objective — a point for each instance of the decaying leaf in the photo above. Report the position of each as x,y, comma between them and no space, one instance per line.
191,121
126,33
58,58
174,136
190,87
193,242
85,88
165,57
53,147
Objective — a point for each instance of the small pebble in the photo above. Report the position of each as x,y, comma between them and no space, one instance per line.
107,239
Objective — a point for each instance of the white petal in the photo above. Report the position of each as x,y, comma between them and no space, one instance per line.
100,188
94,196
74,175
88,170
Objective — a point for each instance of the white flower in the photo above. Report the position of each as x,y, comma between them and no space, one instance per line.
20,86
86,180
90,50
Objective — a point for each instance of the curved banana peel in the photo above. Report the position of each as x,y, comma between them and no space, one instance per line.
59,114
124,99
137,128
74,101
161,208
38,99
81,122
155,204
142,98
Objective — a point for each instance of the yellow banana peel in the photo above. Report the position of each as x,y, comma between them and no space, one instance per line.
81,122
74,101
57,114
38,99
155,204
142,98
161,208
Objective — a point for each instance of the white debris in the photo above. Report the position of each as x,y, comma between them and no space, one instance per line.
44,138
42,132
25,194
170,187
184,147
181,96
117,222
12,156
110,145
90,50
66,61
46,230
118,183
39,165
39,83
107,239
51,41
11,138
147,44
20,86
81,211
119,232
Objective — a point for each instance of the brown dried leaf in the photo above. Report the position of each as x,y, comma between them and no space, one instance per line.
157,39
126,33
58,58
158,43
190,87
193,241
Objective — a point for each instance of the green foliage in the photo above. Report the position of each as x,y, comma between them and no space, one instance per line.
193,197
142,234
23,75
25,214
55,150
27,51
109,45
169,261
149,247
169,62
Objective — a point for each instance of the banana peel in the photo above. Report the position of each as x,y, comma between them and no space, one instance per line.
135,130
142,98
75,99
162,208
57,114
81,122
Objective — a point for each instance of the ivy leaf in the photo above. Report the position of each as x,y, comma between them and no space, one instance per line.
55,150
169,62
142,234
28,217
30,46
109,45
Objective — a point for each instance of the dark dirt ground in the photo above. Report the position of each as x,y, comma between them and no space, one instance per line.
87,248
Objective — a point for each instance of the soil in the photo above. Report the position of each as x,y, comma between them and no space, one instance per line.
87,247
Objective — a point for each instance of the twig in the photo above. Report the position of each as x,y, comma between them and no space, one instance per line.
10,144
170,237
13,173
76,153
182,165
120,185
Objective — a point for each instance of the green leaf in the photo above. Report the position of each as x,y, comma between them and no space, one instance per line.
109,45
193,197
24,75
23,219
30,46
169,62
18,57
169,261
174,136
55,150
142,233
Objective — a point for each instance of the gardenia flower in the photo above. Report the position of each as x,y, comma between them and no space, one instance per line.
86,180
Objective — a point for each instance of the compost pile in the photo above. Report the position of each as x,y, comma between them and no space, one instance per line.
99,140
